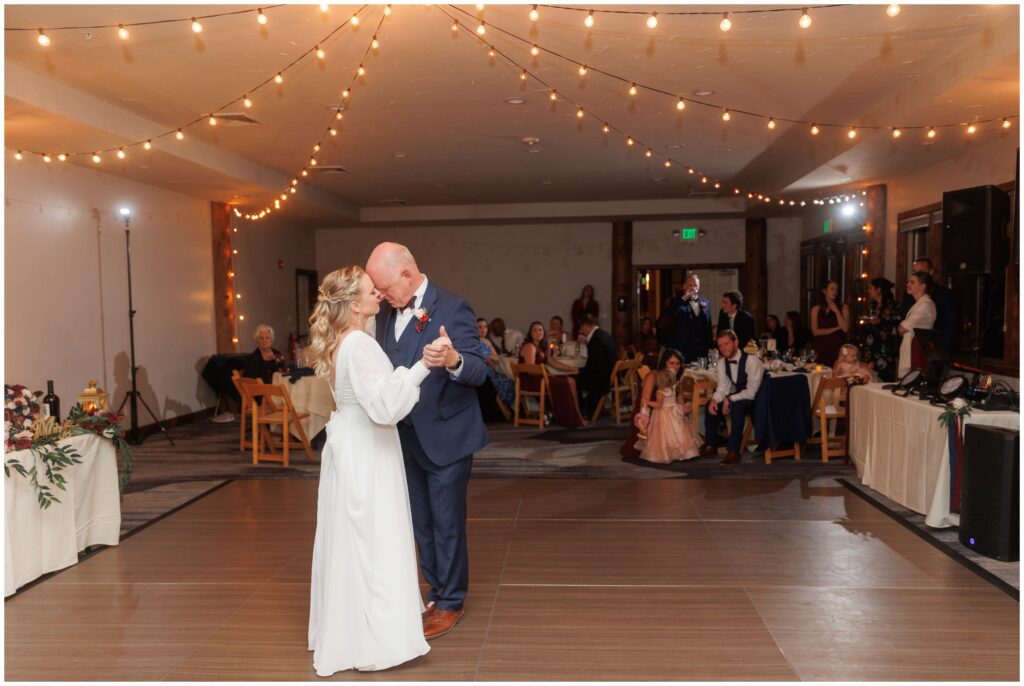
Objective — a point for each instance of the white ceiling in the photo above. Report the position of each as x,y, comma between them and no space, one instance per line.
439,99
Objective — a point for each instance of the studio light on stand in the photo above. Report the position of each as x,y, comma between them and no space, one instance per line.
133,394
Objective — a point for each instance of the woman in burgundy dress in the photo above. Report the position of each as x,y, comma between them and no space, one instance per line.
670,359
830,321
582,306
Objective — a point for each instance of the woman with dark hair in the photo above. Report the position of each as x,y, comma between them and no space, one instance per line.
581,307
647,342
921,316
795,333
880,338
535,349
830,320
775,330
670,359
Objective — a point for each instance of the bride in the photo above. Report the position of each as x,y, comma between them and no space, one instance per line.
365,605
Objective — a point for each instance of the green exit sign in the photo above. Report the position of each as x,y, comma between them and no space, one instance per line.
688,234
827,228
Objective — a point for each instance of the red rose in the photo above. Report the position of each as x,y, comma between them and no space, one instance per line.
23,444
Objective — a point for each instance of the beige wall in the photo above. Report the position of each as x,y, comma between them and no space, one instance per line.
66,301
783,257
724,242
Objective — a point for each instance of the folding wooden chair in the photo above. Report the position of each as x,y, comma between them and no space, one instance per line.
703,389
621,386
830,404
276,410
521,411
241,384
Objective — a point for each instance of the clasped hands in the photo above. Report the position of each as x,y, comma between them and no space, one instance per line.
441,352
714,408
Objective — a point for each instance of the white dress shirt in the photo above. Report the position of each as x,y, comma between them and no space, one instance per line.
726,388
402,317
695,306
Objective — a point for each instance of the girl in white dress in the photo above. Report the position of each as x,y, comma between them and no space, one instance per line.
921,316
365,604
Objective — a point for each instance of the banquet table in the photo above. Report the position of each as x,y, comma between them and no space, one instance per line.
39,541
309,394
564,406
900,449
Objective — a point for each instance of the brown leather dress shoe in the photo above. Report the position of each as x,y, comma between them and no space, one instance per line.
730,459
430,611
441,622
708,449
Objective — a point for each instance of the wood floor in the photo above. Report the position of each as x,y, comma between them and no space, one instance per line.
670,579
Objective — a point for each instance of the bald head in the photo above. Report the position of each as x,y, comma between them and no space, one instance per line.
394,273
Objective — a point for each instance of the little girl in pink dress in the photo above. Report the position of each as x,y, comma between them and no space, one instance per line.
669,436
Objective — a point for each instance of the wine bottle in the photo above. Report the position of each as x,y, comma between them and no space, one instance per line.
51,403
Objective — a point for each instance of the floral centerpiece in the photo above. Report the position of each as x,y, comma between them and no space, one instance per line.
24,430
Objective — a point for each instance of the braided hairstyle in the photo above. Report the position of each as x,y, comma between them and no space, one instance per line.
332,316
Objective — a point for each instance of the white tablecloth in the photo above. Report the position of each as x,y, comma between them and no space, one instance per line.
39,541
310,394
901,450
506,362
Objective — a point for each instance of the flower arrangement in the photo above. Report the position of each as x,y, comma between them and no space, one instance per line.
955,411
25,431
422,316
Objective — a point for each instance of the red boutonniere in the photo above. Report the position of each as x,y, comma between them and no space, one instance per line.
422,317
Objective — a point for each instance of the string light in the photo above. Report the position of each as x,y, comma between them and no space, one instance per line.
334,132
387,10
605,129
354,20
374,44
583,70
588,21
148,145
971,129
196,26
896,133
320,54
726,23
455,26
1006,123
629,140
579,113
534,14
180,135
261,18
632,89
212,120
522,75
771,123
246,101
534,50
481,30
726,116
805,19
652,21
18,156
648,152
668,163
892,10
931,132
680,105
554,95
323,7
96,158
121,154
43,39
852,133
480,7
278,78
62,157
815,130
46,158
345,93
122,32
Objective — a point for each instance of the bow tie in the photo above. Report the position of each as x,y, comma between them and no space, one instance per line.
406,306
732,361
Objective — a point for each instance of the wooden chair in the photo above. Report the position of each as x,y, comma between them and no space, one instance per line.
700,396
747,430
276,410
830,403
622,385
520,411
241,384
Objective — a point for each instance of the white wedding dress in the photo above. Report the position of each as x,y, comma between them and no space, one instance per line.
365,604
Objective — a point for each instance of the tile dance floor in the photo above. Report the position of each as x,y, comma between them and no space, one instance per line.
572,579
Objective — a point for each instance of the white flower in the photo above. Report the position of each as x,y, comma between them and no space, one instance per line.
958,403
109,432
418,313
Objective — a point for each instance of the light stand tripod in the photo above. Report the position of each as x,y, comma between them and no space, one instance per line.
133,394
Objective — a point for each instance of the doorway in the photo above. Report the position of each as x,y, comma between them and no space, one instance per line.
656,285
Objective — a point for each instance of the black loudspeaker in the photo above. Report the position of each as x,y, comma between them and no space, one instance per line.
974,238
990,492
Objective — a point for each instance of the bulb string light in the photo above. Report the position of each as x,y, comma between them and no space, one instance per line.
280,199
124,25
631,85
705,181
648,14
245,99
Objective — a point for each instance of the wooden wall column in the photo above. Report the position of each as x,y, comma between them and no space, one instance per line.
755,281
874,238
622,282
223,279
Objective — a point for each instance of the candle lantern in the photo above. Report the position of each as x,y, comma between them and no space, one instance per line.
93,398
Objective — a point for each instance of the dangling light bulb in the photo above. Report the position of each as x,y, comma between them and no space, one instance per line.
212,120
122,32
1006,123
588,21
46,158
261,18
931,132
43,39
554,95
852,133
892,10
180,135
771,123
805,19
481,30
96,158
668,163
246,101
62,157
120,154
278,77
632,89
361,71
375,44
971,128
534,15
18,156
648,152
196,26
323,7
579,113
334,131
522,75
583,70
815,130
629,140
726,116
355,20
148,145
387,10
455,26
605,129
681,105
345,93
726,23
534,50
896,133
652,21
320,54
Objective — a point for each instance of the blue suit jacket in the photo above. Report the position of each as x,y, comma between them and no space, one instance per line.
447,418
691,334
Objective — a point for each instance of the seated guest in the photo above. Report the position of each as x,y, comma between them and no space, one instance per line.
535,350
945,305
583,306
830,321
850,364
556,333
921,316
734,318
739,378
796,334
504,387
669,436
264,360
647,342
670,359
505,341
775,331
595,378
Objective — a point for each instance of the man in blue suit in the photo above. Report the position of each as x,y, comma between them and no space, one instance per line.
691,321
445,428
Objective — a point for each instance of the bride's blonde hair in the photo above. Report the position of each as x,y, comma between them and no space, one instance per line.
331,316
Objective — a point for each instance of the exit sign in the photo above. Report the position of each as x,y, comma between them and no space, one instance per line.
688,234
827,227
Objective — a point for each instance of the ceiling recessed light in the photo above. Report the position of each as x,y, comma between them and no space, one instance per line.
534,150
400,155
675,146
531,140
704,93
515,100
547,182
